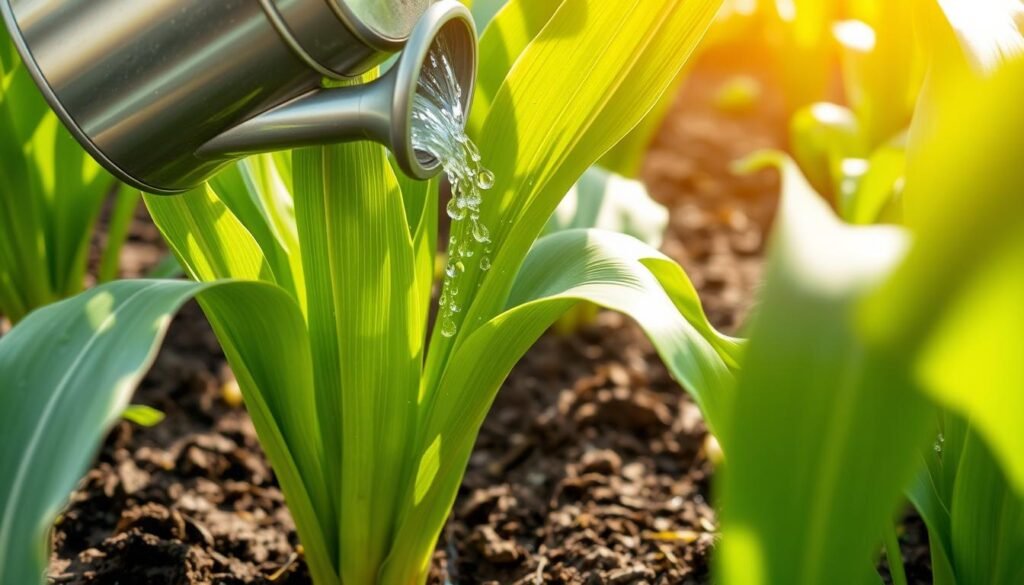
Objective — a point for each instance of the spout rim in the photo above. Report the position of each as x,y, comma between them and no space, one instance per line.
408,70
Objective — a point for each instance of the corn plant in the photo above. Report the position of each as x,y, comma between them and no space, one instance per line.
824,430
879,363
856,155
315,271
51,194
953,308
863,183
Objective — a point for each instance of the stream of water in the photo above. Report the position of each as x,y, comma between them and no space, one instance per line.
439,129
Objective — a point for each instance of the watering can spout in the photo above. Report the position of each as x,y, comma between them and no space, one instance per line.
380,110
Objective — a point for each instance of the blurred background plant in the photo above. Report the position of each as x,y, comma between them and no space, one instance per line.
902,359
52,195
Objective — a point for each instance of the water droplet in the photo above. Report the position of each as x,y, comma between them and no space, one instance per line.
485,263
485,180
481,233
448,327
439,128
455,211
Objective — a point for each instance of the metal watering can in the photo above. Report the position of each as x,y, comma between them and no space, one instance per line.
163,93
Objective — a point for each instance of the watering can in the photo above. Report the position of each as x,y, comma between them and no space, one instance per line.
163,93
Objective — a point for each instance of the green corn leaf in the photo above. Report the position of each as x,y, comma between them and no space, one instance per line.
208,240
925,495
264,337
953,311
953,308
975,518
563,269
258,192
547,125
822,135
142,415
79,361
987,520
367,305
835,150
873,196
824,432
967,43
125,203
882,67
627,157
501,44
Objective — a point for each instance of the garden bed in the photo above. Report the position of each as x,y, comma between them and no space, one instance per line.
592,466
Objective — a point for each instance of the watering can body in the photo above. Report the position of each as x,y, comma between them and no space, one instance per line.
151,88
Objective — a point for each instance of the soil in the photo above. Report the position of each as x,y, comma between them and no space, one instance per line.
591,468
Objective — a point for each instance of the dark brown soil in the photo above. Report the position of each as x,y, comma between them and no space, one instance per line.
591,468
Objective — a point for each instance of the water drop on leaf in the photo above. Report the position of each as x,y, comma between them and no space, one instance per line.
454,210
481,233
448,327
485,180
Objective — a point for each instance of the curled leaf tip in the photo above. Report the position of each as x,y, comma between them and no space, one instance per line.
759,161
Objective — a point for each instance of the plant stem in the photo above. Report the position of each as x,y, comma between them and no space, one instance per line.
894,556
126,199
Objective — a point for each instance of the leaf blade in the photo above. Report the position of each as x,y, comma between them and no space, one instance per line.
565,268
108,337
824,432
